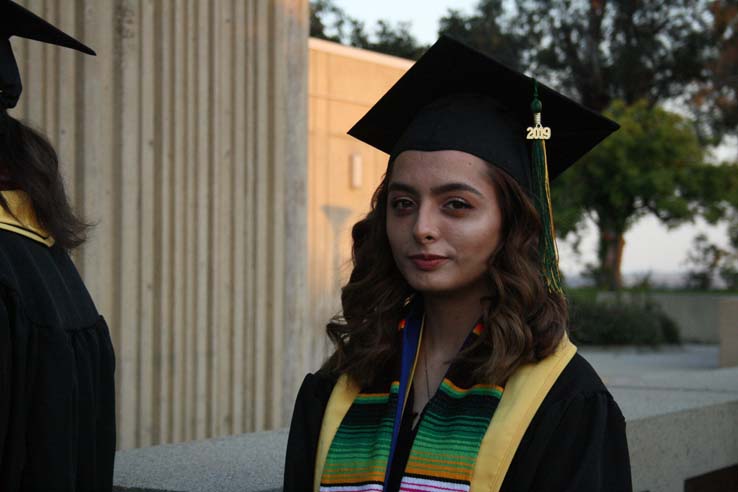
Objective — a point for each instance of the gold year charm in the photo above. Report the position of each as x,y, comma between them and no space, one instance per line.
538,132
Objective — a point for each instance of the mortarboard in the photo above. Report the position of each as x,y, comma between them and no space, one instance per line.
18,21
457,98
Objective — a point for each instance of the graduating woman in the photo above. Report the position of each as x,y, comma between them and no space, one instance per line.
452,368
57,399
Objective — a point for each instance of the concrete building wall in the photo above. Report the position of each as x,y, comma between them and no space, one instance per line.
185,142
343,173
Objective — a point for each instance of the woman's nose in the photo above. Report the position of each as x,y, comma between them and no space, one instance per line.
426,227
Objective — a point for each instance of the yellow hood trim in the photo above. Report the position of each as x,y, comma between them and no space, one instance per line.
523,395
22,219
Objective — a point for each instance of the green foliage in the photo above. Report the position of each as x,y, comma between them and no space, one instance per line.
330,22
669,328
716,99
705,259
628,50
487,29
394,40
729,274
652,165
598,323
715,190
327,21
640,169
685,50
709,261
583,294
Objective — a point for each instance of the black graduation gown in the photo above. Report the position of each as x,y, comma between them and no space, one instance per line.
575,442
57,399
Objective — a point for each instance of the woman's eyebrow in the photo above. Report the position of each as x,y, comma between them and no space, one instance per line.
448,187
436,190
397,186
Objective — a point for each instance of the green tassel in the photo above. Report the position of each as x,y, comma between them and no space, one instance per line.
549,253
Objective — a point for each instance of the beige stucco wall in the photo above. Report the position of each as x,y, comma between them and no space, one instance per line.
185,141
343,84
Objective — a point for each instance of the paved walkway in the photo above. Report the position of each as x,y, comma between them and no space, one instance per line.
633,361
647,382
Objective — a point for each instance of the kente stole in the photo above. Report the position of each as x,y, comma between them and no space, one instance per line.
449,432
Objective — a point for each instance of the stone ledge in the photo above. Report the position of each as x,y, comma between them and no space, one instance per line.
247,462
681,424
665,450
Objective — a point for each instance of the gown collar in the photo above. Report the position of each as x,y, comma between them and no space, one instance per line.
21,219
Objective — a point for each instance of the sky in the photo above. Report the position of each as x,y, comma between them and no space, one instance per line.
649,246
423,14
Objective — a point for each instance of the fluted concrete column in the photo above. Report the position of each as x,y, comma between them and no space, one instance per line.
185,142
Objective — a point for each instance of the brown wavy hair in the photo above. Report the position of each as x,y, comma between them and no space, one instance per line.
523,321
28,162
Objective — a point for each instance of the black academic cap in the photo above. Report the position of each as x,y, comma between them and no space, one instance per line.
18,21
457,98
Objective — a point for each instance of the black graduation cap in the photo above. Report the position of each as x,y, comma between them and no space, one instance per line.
457,98
18,21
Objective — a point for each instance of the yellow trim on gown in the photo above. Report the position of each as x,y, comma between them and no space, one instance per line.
523,395
22,220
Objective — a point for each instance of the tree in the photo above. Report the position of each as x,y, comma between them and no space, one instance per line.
649,166
330,22
631,50
716,100
395,40
706,261
487,29
327,21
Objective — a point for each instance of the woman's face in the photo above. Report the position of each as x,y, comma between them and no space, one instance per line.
443,220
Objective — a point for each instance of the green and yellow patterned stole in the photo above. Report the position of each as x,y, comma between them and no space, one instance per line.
446,444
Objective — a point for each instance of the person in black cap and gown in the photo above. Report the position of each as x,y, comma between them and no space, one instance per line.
57,395
453,369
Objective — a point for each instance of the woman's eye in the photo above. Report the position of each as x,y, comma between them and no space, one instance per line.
457,204
401,204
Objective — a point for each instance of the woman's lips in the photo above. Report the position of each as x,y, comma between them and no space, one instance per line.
428,262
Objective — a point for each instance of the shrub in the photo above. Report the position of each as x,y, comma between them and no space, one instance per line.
606,323
669,328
